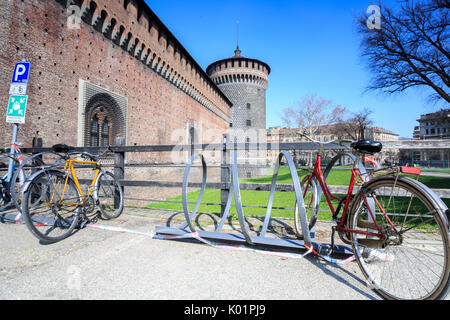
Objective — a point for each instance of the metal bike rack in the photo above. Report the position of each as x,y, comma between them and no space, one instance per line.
245,238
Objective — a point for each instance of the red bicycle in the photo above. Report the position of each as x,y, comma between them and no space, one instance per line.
398,227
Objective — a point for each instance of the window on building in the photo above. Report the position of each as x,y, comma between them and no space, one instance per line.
433,131
249,123
104,121
94,131
105,134
249,106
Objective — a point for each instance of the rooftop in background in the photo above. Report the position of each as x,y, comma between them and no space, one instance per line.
327,133
239,59
435,115
435,125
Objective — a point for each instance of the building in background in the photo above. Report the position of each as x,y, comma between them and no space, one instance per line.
433,126
324,133
435,129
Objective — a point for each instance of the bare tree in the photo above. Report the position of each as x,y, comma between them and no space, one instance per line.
354,127
312,113
410,48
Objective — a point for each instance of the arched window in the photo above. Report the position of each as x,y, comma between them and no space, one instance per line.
94,131
99,128
105,133
104,121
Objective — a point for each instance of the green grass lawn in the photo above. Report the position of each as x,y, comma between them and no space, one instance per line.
281,199
249,198
336,177
341,177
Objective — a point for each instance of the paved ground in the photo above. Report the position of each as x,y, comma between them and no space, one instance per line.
101,264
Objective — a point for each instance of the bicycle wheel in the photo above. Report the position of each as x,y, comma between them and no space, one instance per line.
311,203
109,195
412,262
6,201
21,174
50,208
5,197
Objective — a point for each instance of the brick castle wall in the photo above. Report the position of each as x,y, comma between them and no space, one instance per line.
37,31
122,48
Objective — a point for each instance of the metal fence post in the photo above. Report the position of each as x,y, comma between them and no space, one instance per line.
37,143
224,175
119,166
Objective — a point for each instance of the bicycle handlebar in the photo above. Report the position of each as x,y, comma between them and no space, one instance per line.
66,149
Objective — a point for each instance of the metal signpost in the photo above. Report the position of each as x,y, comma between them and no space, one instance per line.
17,103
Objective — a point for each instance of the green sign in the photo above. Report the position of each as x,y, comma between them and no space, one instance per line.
16,109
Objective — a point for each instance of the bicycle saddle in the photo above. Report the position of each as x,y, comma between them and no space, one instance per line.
367,145
60,147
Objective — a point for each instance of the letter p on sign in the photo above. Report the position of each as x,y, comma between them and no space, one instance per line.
21,72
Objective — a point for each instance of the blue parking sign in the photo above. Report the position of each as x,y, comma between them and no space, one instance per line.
21,73
19,82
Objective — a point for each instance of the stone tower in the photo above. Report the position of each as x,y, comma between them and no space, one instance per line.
244,81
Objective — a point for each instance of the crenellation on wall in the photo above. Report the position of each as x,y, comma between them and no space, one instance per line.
137,27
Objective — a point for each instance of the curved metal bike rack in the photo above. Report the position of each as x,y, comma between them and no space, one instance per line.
245,237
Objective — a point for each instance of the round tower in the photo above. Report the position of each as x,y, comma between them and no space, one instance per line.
244,81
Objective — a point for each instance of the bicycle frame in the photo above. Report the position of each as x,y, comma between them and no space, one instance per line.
69,168
355,174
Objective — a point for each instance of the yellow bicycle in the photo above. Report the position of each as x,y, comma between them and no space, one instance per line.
53,200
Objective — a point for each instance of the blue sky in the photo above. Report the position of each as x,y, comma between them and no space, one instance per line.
311,46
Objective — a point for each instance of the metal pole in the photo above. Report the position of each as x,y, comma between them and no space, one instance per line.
12,151
224,175
119,167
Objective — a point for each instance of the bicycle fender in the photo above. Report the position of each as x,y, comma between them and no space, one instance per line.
27,183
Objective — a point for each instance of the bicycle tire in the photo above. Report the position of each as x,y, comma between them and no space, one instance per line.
6,200
311,202
44,193
21,175
109,195
5,197
419,242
